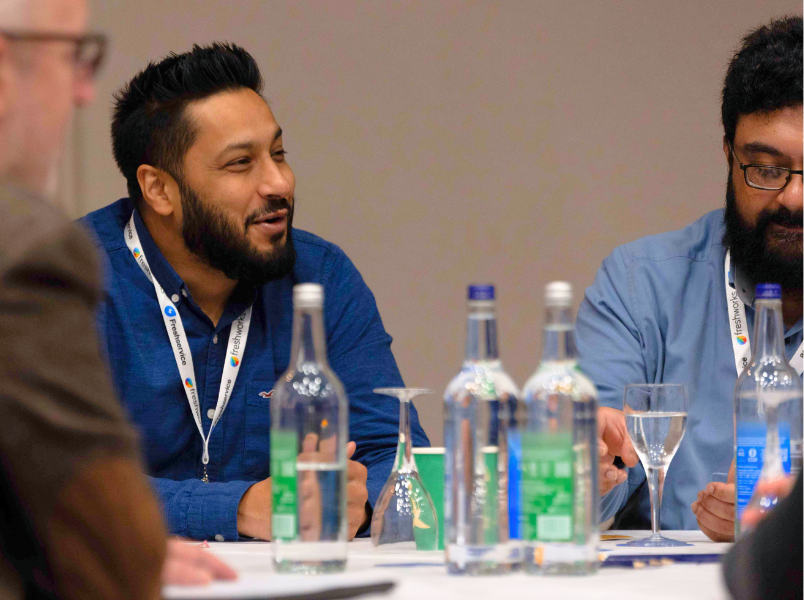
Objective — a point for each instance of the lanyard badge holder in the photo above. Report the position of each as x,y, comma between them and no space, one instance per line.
181,348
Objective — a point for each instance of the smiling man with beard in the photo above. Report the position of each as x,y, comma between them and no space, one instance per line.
202,260
661,308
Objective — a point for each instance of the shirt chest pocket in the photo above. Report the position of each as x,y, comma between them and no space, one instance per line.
257,451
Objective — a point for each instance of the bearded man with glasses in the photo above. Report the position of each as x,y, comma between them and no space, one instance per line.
659,309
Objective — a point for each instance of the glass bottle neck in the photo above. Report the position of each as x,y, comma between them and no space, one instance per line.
481,333
558,340
768,339
308,337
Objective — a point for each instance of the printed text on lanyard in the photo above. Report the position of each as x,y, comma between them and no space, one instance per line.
181,348
740,341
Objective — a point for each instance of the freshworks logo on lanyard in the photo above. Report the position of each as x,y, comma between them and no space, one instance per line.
181,348
740,342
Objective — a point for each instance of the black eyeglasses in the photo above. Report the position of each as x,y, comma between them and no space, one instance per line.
765,177
90,48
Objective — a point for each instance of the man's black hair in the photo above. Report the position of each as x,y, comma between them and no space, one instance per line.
150,126
765,73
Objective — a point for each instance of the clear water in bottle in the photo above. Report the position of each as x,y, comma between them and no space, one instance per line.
309,418
559,498
479,405
767,407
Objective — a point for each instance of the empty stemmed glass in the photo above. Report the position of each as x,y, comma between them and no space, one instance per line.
404,511
656,418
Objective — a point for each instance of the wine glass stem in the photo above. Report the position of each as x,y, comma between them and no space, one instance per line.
404,456
655,485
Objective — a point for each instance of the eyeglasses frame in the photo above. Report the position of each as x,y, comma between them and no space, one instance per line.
99,39
790,173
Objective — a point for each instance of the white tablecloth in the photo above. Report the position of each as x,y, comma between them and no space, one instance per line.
422,575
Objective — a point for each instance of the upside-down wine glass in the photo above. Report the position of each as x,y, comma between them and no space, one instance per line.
404,512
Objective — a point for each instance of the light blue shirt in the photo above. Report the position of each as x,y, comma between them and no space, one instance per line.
657,313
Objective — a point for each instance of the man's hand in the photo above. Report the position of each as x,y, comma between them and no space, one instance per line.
254,511
187,564
715,509
356,491
612,441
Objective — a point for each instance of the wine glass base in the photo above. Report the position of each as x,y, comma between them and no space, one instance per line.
655,541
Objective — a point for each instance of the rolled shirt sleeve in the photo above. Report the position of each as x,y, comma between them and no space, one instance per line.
201,511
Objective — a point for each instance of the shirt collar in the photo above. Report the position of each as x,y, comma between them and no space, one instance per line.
743,285
243,296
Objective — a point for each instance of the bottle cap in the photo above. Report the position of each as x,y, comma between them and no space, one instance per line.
308,295
768,291
480,292
558,293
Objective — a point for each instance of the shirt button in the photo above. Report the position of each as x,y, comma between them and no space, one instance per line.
174,298
219,538
183,292
211,413
215,339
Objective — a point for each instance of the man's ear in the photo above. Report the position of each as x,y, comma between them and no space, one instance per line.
159,190
727,151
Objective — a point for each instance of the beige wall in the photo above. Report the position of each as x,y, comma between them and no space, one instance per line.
440,143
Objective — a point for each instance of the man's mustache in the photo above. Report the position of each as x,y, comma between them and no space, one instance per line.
272,205
781,216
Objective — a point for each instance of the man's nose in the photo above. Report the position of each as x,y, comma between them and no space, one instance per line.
276,181
792,196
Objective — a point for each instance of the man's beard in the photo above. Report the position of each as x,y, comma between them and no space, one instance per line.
211,236
754,253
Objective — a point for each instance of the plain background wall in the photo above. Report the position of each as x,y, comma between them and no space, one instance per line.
441,143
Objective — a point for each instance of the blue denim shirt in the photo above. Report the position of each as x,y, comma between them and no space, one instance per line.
657,313
147,378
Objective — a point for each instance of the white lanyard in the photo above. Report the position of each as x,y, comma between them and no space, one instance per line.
740,341
181,347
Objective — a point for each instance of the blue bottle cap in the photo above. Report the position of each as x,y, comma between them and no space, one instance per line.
481,292
769,291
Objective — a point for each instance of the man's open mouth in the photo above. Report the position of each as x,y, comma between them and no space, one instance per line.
273,218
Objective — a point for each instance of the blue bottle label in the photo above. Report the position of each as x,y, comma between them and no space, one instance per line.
750,454
514,459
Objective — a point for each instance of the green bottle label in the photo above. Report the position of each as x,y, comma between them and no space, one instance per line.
491,506
547,486
284,451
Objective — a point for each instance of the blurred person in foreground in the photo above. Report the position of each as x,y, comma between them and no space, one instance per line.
79,519
767,562
209,223
662,308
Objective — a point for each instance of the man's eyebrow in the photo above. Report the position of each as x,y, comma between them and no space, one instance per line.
760,148
248,144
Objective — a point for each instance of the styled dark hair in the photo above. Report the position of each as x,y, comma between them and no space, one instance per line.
765,73
149,124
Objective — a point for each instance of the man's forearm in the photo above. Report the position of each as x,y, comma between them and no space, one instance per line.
106,538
